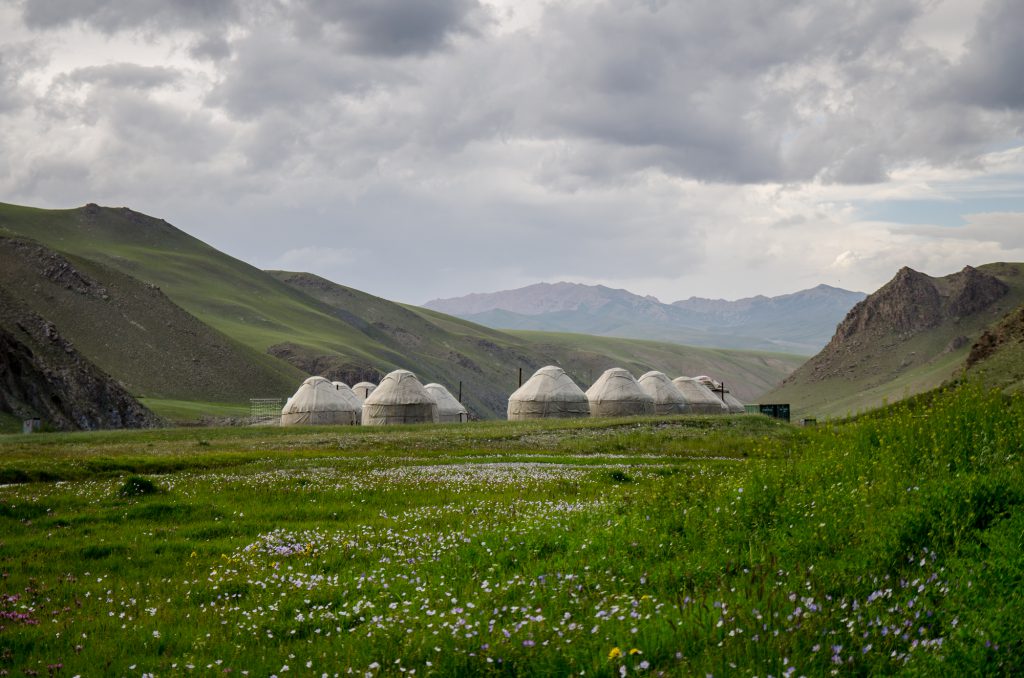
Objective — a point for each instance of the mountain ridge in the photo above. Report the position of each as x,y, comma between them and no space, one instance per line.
799,322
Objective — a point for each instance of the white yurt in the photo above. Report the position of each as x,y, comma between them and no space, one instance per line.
399,399
667,397
363,389
318,402
549,393
449,409
716,387
699,397
617,394
345,392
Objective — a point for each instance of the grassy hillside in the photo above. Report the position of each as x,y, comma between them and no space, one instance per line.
323,328
882,365
681,546
134,333
229,295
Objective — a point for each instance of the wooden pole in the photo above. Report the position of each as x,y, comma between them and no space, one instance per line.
460,392
520,376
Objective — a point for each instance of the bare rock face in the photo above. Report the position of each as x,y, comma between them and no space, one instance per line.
908,303
1010,329
42,375
972,290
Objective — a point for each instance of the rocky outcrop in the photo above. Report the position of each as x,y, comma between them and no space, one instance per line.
1010,329
910,304
42,375
971,291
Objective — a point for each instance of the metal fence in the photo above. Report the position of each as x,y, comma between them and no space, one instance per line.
265,411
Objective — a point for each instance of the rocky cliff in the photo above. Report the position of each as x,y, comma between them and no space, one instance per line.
43,375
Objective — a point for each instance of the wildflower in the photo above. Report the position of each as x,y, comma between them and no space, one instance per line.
529,643
614,653
645,665
635,651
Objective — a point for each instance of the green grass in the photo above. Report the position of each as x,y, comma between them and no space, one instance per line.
730,546
188,411
9,423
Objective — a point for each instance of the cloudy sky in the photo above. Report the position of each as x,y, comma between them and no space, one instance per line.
428,148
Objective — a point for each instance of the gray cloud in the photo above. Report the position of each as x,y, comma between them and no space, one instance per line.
125,76
109,16
213,46
391,28
430,130
16,61
992,72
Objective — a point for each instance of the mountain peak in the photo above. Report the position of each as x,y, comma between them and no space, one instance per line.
911,305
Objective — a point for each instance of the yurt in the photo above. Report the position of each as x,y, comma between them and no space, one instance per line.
667,397
699,397
549,393
449,409
363,390
318,402
399,399
345,392
617,394
716,387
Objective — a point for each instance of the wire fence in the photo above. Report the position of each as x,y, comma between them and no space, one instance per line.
265,411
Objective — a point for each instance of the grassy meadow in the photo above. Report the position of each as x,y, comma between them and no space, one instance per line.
676,546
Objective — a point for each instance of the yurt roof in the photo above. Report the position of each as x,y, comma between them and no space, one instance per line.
446,402
617,384
660,387
549,383
696,392
316,394
400,387
709,382
347,393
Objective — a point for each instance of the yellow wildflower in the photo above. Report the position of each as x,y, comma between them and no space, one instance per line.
615,653
635,651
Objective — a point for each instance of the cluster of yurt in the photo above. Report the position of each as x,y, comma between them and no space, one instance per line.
400,398
550,392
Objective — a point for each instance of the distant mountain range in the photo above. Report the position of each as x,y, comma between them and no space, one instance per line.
801,322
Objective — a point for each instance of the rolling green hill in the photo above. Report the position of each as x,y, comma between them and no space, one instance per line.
319,327
910,336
